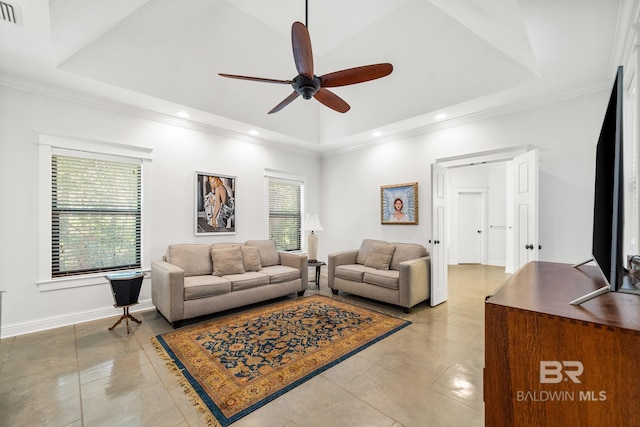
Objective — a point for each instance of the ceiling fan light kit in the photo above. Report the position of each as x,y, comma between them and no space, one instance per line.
308,85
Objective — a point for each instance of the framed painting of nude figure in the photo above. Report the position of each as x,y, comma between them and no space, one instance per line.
215,204
399,204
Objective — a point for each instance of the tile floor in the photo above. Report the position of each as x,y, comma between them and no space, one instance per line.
428,374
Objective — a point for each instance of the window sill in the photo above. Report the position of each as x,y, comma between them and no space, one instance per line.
79,281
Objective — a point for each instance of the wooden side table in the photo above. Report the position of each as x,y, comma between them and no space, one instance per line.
125,316
318,265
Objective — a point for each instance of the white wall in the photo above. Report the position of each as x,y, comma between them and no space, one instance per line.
344,189
565,134
177,153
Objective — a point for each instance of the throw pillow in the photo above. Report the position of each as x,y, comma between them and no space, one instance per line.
380,257
227,261
251,258
268,251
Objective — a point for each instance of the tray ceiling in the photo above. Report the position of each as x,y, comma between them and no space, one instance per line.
461,57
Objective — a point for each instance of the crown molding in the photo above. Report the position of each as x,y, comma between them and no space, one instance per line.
68,95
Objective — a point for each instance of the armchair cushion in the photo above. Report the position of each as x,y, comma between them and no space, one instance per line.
366,247
268,251
251,258
194,259
282,273
227,260
205,286
350,272
406,252
385,278
380,257
249,280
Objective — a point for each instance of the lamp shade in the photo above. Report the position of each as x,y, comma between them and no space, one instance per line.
311,222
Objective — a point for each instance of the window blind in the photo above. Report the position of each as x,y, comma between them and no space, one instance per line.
95,215
630,157
285,214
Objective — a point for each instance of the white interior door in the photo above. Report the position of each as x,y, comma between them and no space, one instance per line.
526,245
439,193
470,228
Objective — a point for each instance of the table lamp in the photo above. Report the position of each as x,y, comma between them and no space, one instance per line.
311,222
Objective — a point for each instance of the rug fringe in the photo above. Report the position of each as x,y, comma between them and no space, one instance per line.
192,395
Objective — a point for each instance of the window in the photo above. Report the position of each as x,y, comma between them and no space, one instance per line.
285,216
95,214
630,156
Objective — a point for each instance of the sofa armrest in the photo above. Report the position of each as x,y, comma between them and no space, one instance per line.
414,281
339,258
167,290
298,261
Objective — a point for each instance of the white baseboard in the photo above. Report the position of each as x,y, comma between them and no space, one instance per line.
498,263
16,329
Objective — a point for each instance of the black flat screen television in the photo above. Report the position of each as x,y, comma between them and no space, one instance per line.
608,206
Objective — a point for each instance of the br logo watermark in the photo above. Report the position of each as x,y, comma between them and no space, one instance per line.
556,372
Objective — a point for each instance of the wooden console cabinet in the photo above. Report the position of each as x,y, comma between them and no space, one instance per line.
549,363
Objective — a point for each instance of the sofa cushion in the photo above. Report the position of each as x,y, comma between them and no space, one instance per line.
350,272
227,260
385,278
366,247
251,279
380,257
205,286
281,273
406,252
251,258
268,251
194,259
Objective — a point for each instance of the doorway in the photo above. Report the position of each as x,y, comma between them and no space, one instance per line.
471,241
520,183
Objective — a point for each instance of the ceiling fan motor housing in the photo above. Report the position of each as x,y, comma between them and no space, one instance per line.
305,86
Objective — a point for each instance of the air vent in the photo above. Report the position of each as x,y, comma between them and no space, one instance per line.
9,13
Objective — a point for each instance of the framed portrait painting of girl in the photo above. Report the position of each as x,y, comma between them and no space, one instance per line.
399,204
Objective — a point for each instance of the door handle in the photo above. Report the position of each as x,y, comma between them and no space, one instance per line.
528,247
479,231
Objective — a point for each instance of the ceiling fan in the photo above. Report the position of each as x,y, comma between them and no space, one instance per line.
307,84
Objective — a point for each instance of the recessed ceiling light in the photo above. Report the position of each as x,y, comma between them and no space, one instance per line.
253,132
182,114
377,134
441,116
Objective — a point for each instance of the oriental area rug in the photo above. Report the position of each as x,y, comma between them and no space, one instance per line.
233,365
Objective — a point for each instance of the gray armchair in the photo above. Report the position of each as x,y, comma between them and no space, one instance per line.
395,273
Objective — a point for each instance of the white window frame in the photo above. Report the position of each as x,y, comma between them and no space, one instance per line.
270,174
49,145
631,187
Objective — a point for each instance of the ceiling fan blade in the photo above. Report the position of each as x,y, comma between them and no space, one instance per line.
285,102
331,100
302,53
255,79
356,75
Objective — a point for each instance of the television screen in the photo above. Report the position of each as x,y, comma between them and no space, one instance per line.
608,205
608,210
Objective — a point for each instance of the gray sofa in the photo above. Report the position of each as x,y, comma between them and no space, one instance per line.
395,273
198,279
